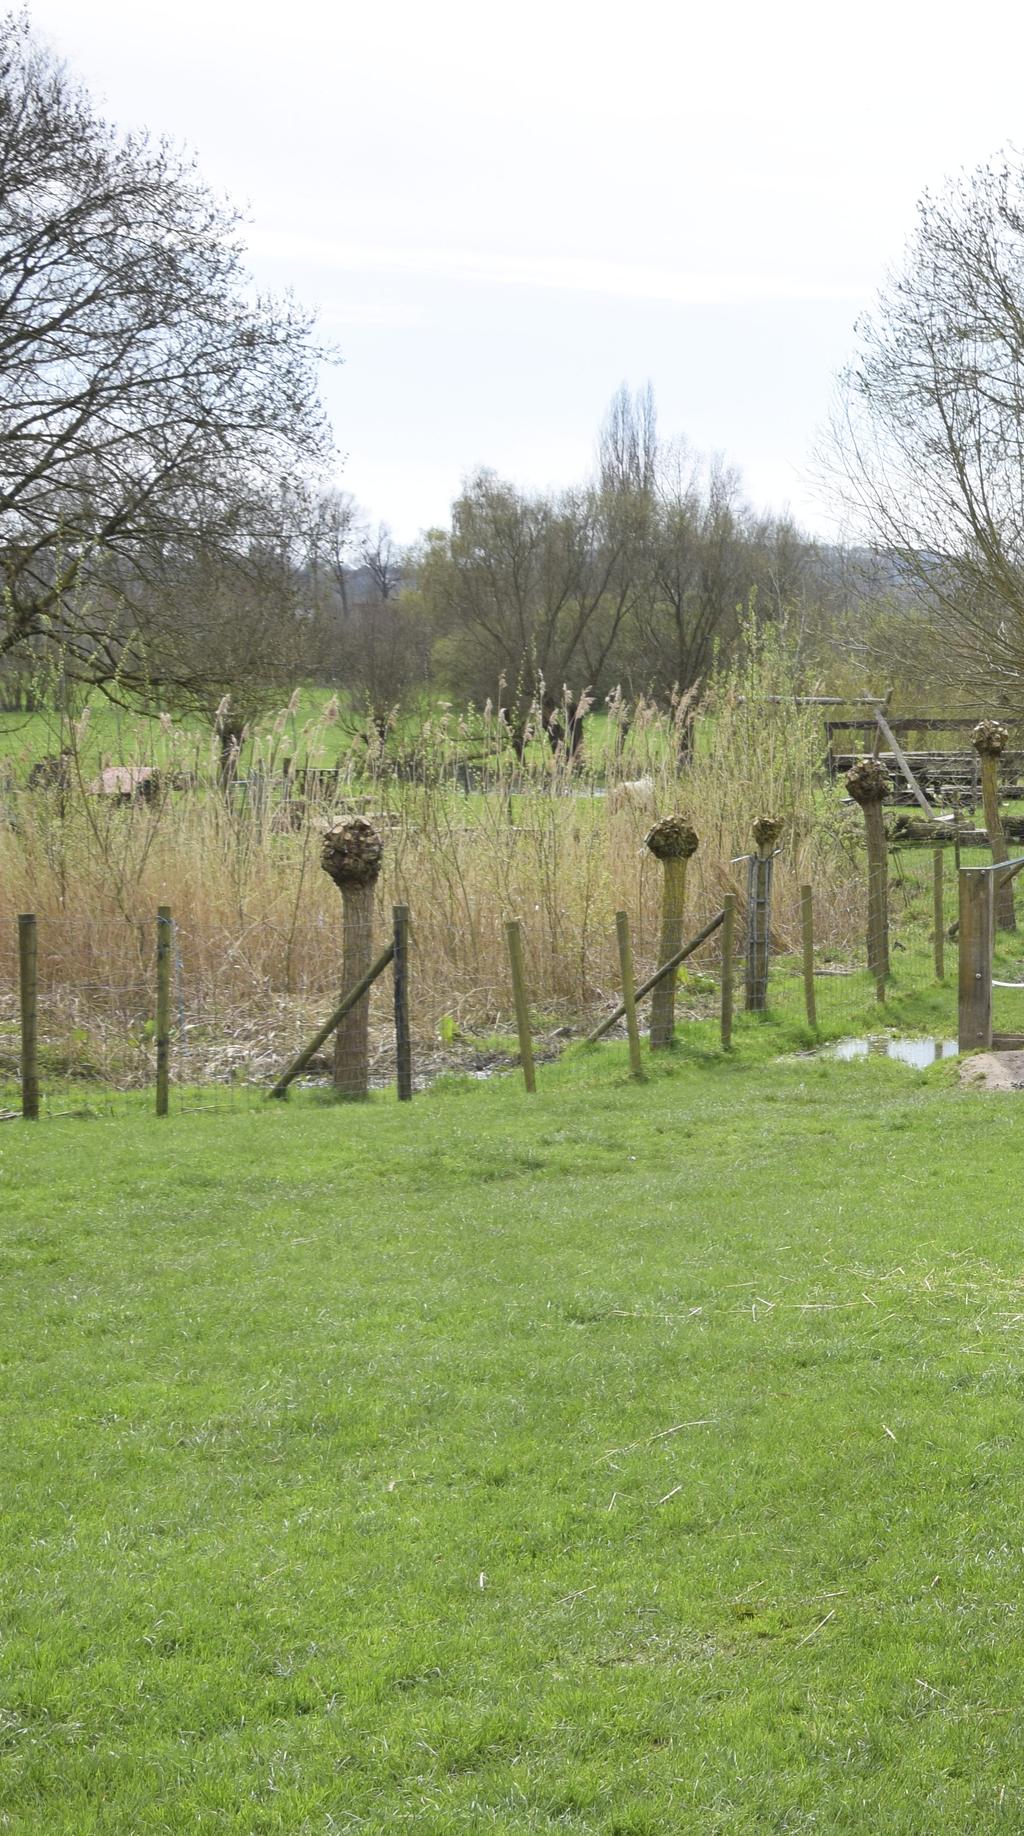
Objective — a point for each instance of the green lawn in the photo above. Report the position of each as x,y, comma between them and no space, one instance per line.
120,737
625,1459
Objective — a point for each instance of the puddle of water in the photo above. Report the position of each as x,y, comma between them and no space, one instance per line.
919,1053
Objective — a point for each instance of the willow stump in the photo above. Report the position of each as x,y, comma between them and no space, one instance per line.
351,854
868,785
767,830
989,740
671,842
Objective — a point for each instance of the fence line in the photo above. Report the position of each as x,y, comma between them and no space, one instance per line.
105,1045
341,1012
661,974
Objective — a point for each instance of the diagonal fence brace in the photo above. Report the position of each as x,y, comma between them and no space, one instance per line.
659,975
298,1065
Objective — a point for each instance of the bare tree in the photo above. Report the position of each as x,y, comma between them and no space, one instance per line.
149,406
531,589
928,444
386,653
628,442
337,534
372,642
383,560
699,567
242,630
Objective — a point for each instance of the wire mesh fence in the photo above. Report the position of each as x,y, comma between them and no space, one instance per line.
98,1036
98,1041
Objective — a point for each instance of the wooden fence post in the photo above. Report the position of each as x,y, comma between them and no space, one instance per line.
938,914
403,1044
164,947
728,948
975,938
663,970
807,934
628,998
514,939
28,966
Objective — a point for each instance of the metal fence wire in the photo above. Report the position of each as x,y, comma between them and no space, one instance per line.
98,1037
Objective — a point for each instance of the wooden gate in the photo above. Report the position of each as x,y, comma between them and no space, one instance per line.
976,936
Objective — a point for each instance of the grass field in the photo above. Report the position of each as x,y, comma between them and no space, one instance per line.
624,1460
298,732
116,735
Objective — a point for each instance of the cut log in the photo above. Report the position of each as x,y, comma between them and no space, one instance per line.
914,829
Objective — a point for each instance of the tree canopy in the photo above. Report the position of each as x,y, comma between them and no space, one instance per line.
930,433
637,577
151,404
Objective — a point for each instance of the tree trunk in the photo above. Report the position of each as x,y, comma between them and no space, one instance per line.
351,855
671,841
868,784
767,830
351,1041
663,999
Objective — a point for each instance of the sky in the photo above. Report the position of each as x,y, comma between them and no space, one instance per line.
502,213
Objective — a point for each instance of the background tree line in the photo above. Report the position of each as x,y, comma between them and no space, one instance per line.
639,578
169,532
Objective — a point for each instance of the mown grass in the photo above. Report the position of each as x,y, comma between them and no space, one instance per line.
627,1460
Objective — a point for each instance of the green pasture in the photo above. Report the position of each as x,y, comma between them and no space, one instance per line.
627,1459
295,729
123,736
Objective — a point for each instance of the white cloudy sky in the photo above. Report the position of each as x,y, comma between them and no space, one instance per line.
501,213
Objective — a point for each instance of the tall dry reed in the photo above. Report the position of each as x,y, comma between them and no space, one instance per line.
474,834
